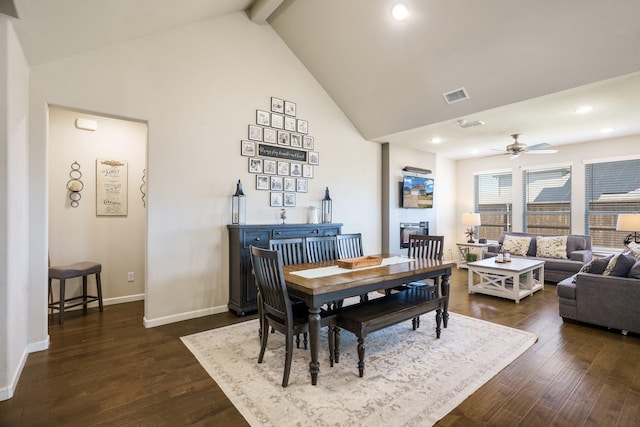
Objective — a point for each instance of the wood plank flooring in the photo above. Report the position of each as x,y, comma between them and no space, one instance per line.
107,369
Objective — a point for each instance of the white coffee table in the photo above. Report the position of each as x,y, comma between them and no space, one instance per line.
513,280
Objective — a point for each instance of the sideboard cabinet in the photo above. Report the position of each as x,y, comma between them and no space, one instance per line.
242,287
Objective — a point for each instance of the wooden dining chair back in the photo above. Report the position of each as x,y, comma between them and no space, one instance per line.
277,310
349,245
321,248
292,250
428,247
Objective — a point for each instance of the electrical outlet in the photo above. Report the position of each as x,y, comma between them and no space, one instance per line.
130,276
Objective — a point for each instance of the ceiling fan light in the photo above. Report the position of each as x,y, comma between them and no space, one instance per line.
399,12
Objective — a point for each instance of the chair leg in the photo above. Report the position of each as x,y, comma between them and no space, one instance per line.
263,340
337,346
50,297
99,287
61,310
361,357
84,293
288,357
332,344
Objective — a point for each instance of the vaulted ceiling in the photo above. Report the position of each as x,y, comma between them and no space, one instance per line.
526,65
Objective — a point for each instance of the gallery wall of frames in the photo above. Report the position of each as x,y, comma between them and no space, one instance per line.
281,152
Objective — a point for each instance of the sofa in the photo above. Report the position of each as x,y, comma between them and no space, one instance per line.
605,298
563,256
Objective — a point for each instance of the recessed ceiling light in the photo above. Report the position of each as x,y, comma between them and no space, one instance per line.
400,12
436,140
606,130
584,109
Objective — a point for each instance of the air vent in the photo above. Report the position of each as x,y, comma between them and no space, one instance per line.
456,96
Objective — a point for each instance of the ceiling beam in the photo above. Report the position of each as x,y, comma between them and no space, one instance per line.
262,9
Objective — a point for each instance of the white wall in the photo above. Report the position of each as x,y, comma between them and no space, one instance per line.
572,154
14,233
198,87
77,233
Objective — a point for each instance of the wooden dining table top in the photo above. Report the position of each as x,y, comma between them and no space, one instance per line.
358,278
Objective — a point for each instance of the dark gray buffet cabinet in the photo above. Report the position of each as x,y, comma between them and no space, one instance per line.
242,287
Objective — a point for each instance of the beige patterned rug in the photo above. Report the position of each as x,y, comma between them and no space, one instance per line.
411,378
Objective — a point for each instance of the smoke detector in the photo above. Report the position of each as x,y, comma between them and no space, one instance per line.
465,124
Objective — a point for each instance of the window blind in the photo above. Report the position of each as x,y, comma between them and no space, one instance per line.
547,200
493,201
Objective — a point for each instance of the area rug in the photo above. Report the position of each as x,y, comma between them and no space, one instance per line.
410,379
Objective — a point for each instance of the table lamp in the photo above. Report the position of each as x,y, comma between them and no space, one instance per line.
471,220
629,222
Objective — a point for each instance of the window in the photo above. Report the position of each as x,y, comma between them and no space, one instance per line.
611,188
547,200
493,197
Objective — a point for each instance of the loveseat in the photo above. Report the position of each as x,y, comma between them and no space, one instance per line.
605,298
561,259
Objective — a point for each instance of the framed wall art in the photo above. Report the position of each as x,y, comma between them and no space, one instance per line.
269,135
262,182
269,167
307,142
314,159
307,171
283,168
301,185
290,108
290,124
277,121
277,105
248,148
276,199
296,169
303,126
111,187
276,183
255,165
289,199
283,137
255,133
263,118
296,140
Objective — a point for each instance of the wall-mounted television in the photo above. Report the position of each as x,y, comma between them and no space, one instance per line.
417,192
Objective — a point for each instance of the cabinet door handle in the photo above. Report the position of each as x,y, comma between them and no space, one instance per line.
278,232
315,232
257,239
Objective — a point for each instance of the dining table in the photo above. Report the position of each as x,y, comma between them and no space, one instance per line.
322,283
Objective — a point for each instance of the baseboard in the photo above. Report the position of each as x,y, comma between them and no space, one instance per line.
151,323
110,301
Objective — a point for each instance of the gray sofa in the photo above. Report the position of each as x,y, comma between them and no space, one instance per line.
555,269
607,301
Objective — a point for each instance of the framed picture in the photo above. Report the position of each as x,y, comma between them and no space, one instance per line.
263,118
289,184
303,126
313,158
283,137
269,135
276,199
296,169
307,142
262,182
269,167
276,183
307,171
283,168
111,187
296,140
255,165
255,133
277,105
290,199
290,108
301,185
248,148
277,121
290,124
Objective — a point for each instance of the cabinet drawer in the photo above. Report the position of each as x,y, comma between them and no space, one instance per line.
258,238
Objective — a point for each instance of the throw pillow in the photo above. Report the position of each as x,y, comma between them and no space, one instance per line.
551,247
596,265
612,263
624,264
634,248
634,273
516,245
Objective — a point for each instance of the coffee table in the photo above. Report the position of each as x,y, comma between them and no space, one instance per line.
514,280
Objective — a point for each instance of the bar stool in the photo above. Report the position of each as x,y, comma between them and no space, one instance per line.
80,269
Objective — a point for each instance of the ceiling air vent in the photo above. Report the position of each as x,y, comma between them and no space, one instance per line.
456,95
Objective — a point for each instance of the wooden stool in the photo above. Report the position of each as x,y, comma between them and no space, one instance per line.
80,269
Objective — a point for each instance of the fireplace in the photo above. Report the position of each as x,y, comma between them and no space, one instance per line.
409,228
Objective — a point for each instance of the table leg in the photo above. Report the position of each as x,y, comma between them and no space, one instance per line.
445,293
314,337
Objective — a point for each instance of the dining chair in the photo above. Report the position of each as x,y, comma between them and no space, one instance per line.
427,247
286,318
349,245
320,248
293,250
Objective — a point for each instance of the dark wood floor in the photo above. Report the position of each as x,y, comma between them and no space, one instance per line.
107,369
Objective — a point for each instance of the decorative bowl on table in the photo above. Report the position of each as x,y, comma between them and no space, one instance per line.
359,262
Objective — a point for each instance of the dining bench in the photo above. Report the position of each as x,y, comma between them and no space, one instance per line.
374,315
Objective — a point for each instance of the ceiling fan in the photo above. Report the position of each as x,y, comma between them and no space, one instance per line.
517,148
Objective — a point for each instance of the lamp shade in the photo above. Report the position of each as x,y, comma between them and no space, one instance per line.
628,222
471,219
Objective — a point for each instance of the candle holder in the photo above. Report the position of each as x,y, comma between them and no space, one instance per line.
239,206
327,207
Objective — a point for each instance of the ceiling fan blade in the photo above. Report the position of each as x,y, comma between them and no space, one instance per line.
542,151
538,146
